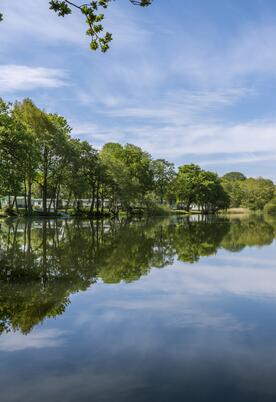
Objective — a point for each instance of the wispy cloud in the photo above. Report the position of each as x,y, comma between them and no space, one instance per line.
241,159
21,78
179,106
34,21
163,85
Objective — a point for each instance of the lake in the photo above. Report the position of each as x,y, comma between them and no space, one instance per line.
161,310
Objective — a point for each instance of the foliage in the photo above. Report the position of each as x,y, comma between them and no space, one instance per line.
270,207
44,262
249,232
194,185
257,193
163,175
234,176
247,192
129,174
93,15
39,158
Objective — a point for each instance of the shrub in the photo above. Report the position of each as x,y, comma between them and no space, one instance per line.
10,211
153,209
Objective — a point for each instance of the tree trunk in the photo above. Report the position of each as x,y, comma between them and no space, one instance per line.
44,196
25,196
57,200
97,199
16,205
50,204
45,181
92,200
29,198
102,203
68,202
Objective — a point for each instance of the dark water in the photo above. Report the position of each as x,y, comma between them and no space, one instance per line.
171,310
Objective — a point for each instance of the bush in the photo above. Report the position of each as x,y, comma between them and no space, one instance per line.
270,207
153,209
10,211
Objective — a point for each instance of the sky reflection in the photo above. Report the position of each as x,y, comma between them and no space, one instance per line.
198,332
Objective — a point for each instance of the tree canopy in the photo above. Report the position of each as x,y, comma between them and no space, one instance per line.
232,176
194,185
252,193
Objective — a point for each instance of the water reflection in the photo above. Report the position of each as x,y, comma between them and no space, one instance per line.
44,262
201,329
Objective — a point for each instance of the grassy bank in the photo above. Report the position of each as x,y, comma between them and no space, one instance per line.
236,211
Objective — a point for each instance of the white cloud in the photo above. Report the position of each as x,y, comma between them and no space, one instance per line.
178,107
21,78
178,130
25,21
165,88
250,51
240,159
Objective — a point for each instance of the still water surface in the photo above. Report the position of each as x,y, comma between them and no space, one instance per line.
163,310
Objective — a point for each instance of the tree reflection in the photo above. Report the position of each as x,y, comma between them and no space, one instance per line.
44,262
252,231
193,240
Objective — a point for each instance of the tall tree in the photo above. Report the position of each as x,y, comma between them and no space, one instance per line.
50,142
130,174
14,147
186,185
211,195
163,175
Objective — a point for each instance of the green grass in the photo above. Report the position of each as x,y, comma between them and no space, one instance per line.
183,212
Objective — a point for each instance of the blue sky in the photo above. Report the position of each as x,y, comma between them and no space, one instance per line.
187,80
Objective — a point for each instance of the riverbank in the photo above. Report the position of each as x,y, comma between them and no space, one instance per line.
157,211
236,211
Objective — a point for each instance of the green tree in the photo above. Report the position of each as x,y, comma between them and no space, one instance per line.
51,134
234,191
61,159
163,175
129,172
186,185
234,176
257,192
14,152
231,183
211,195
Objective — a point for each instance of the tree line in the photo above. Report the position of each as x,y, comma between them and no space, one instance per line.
252,193
40,158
